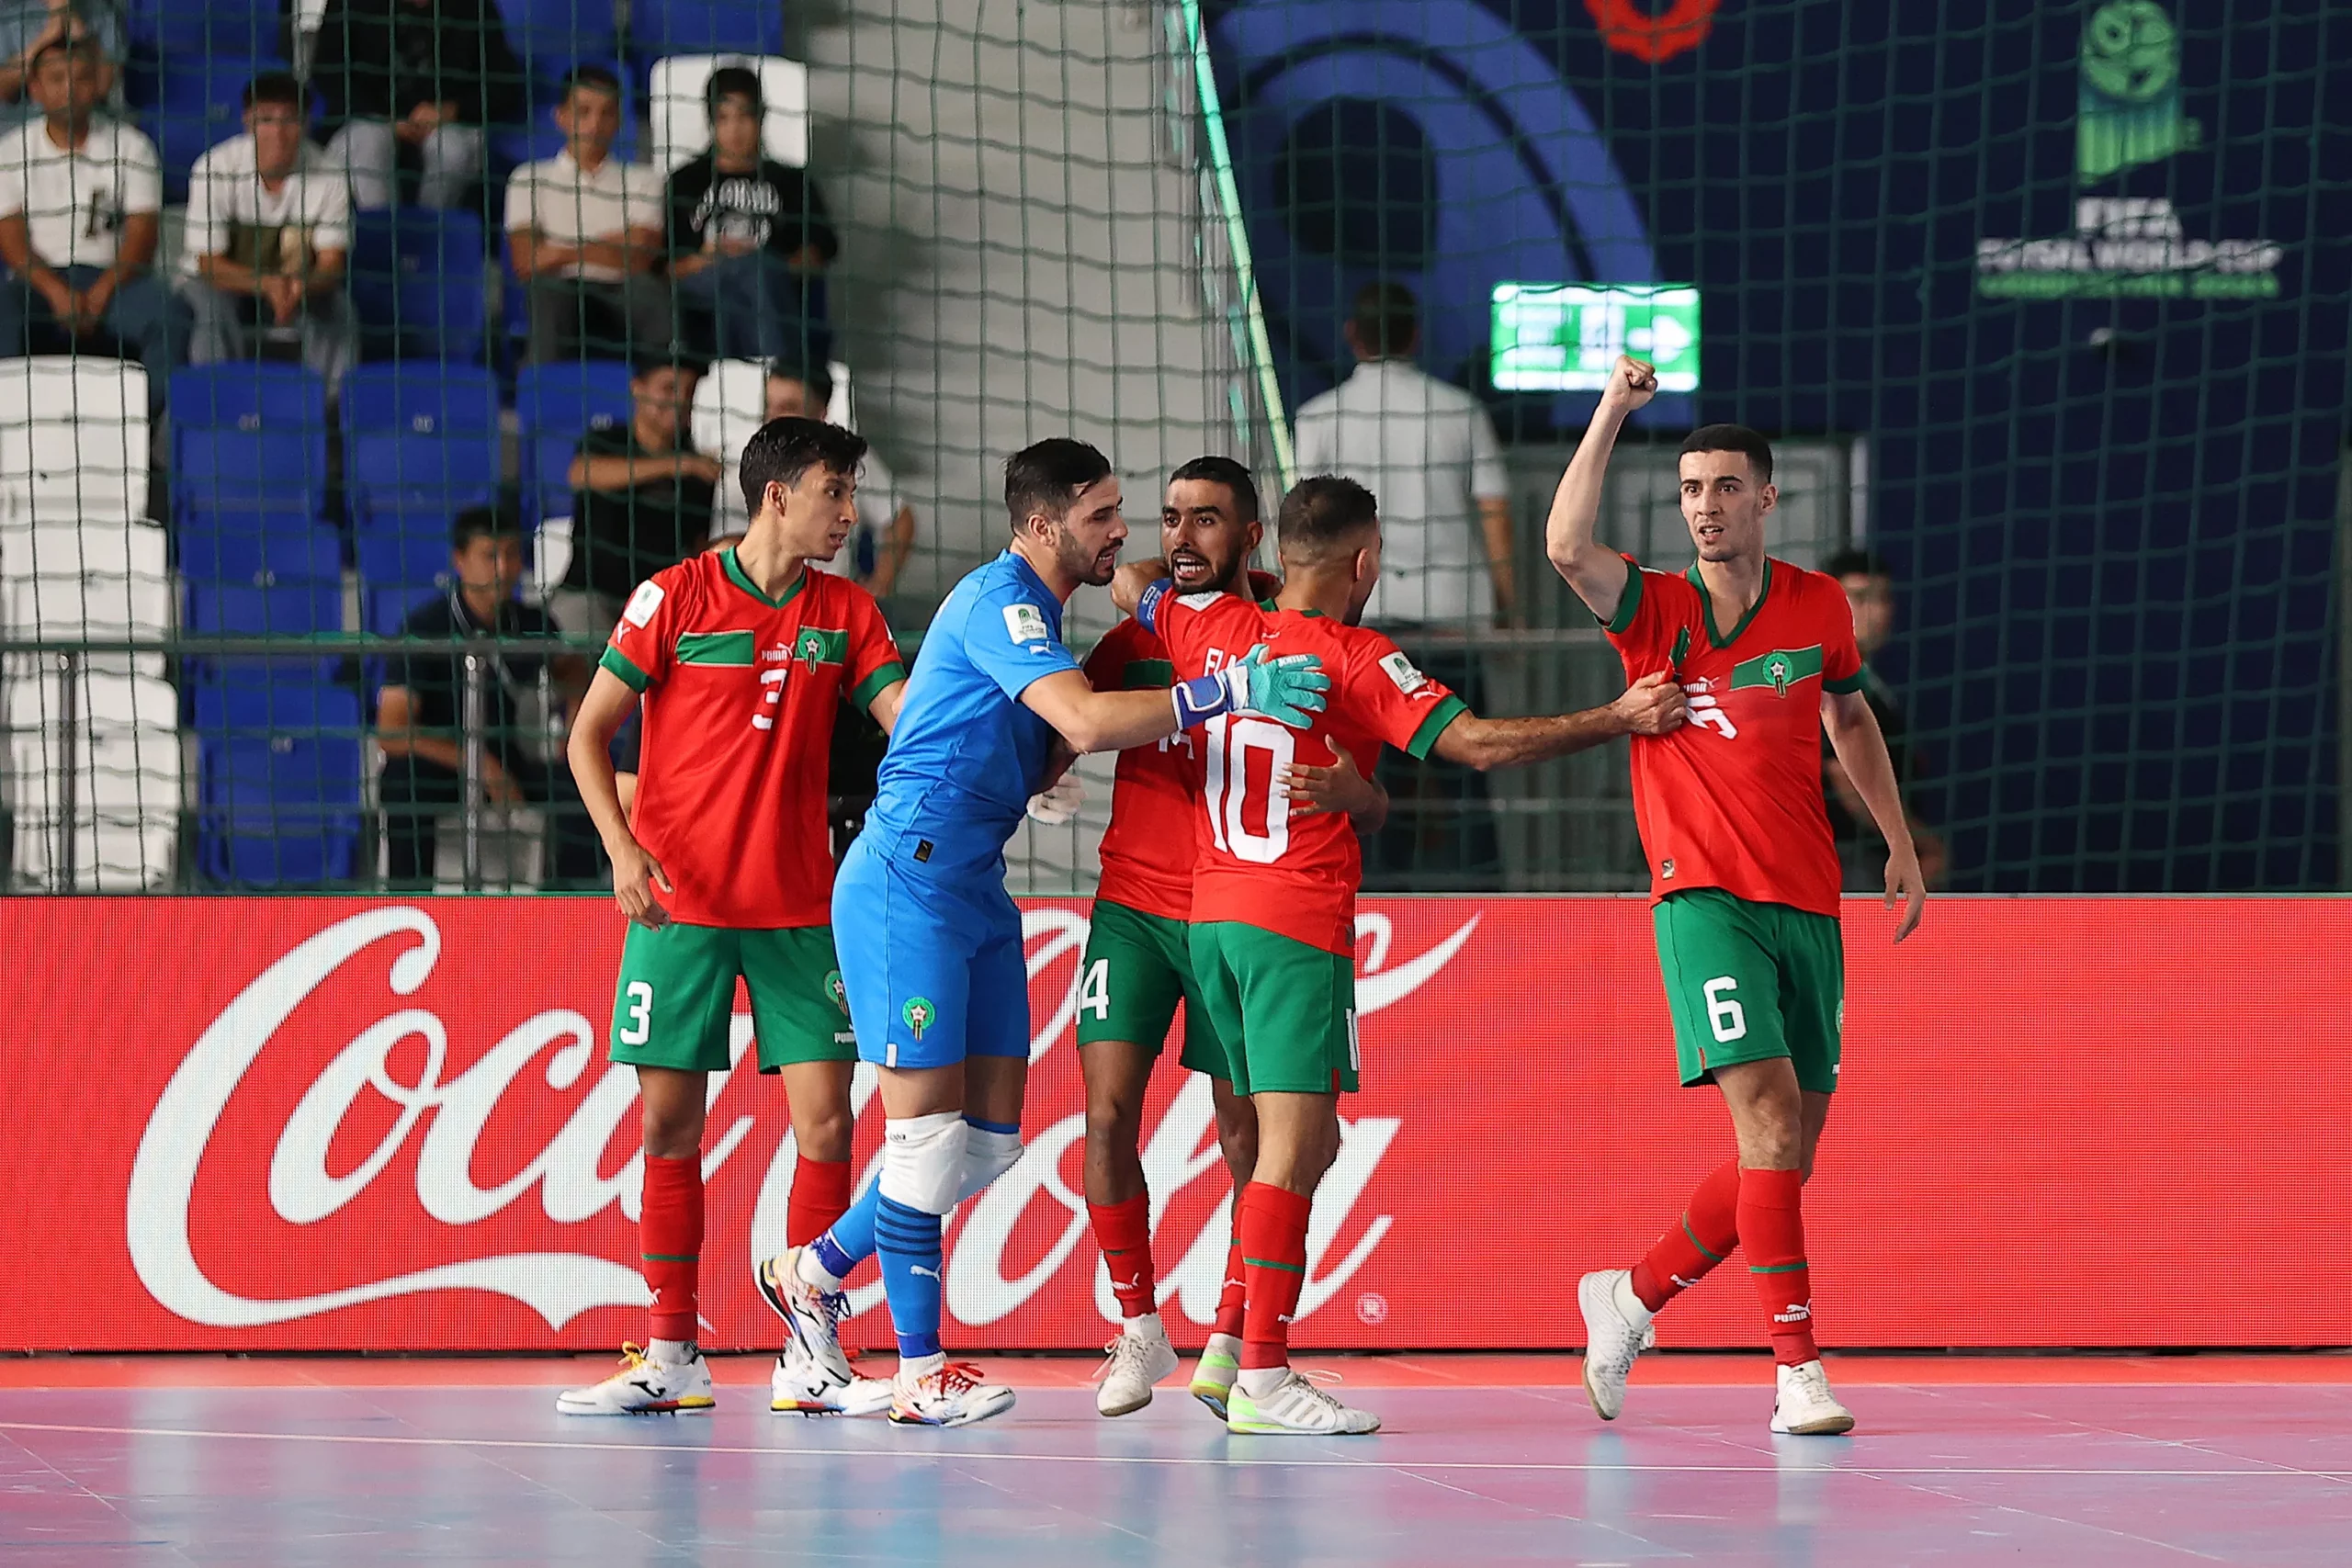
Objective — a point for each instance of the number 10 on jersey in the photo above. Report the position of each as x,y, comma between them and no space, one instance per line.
1228,788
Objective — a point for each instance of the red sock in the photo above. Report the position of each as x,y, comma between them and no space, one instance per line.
1772,1232
820,1196
1232,1301
1710,1229
1274,1262
1124,1232
669,1232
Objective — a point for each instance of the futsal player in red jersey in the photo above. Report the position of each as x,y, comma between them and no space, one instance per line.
1137,966
1272,928
1744,872
723,864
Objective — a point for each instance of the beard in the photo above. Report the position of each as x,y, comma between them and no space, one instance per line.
1089,566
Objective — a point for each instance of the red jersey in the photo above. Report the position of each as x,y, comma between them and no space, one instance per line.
1149,850
1296,877
739,692
1732,798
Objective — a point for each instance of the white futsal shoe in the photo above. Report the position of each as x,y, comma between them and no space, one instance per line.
644,1387
799,1386
1138,1357
949,1393
1806,1407
1295,1408
811,1317
1617,1328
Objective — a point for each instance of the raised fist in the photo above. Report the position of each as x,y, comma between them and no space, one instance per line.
1632,382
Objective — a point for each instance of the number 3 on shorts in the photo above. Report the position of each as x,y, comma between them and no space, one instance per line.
1095,989
640,995
1724,1016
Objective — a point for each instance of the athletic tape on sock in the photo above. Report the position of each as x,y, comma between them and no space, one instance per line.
988,1154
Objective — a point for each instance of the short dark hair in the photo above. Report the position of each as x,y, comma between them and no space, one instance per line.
273,87
595,77
645,361
1734,438
1857,562
1047,476
1386,316
815,375
83,45
483,523
781,450
1232,476
733,82
1322,514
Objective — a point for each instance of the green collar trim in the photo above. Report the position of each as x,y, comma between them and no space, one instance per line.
742,579
1707,604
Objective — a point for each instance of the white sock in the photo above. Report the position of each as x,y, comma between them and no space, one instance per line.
1629,1303
671,1352
914,1368
1146,1325
1258,1382
811,1272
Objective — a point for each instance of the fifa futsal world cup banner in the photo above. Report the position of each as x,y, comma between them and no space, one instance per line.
358,1125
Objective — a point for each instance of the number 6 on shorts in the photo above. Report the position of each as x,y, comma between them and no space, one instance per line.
1726,1017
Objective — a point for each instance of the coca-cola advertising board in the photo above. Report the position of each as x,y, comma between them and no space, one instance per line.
341,1124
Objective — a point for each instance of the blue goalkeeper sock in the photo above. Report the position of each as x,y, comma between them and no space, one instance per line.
909,1246
851,1241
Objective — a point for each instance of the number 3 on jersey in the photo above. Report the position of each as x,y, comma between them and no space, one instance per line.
1227,792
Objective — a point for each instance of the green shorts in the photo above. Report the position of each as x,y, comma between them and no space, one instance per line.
1137,968
1748,982
1285,1012
675,1000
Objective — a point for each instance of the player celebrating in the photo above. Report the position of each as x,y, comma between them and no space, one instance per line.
1137,964
1744,872
938,987
741,657
1272,933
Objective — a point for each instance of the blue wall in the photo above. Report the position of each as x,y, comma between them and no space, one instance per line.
2114,520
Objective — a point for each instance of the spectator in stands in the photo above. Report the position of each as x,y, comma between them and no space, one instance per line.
418,79
1428,451
29,27
747,237
877,553
1869,592
418,713
81,209
585,230
269,233
642,500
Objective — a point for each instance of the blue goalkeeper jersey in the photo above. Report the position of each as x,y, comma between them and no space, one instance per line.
966,756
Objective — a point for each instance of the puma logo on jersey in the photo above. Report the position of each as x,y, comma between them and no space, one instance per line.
1707,713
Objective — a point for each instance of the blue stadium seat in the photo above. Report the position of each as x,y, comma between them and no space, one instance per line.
411,561
416,285
550,36
218,27
419,427
255,544
289,607
277,792
554,404
385,609
247,435
706,27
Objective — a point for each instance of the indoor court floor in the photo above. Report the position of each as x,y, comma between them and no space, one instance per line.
2079,1461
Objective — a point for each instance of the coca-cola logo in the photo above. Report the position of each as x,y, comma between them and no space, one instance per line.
443,1115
